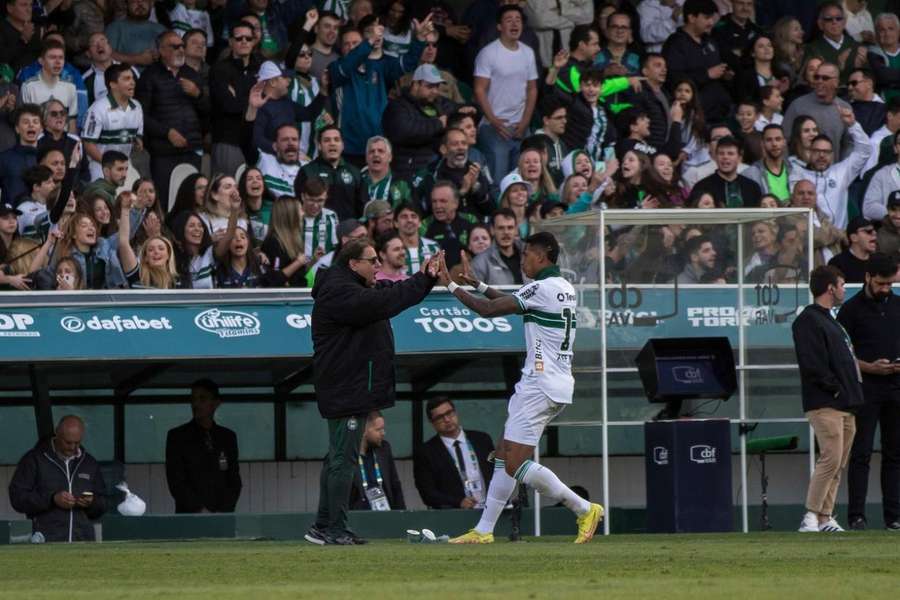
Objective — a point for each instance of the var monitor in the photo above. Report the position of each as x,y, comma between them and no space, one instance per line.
674,369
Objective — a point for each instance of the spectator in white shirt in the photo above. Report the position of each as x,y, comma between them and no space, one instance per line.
659,20
47,83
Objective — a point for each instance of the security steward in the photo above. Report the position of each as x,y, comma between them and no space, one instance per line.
353,357
872,319
58,485
202,457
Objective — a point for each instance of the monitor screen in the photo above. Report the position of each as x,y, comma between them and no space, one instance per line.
692,375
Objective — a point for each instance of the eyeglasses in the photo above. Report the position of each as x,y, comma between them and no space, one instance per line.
373,259
243,38
833,19
823,77
444,415
57,113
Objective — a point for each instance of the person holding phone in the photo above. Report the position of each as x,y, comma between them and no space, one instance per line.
872,320
59,486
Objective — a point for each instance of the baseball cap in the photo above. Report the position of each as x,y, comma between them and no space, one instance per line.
893,199
8,209
512,179
858,223
269,70
427,73
376,208
347,226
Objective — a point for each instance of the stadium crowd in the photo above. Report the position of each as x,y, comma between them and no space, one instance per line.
239,143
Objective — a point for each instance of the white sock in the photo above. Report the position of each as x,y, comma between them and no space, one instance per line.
547,483
501,488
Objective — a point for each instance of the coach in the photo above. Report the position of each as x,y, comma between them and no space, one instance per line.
872,319
353,357
831,392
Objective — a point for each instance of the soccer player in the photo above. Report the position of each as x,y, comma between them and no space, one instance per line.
546,386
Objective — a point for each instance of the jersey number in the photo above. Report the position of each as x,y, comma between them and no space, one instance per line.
567,315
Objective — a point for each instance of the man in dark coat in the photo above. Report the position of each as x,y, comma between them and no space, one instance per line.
58,485
830,386
202,457
172,97
376,485
353,356
452,469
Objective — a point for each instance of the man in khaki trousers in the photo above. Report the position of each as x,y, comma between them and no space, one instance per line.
831,390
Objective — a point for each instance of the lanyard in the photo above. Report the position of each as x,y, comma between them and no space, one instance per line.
362,472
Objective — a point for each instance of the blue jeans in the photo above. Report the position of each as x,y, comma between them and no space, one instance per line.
501,155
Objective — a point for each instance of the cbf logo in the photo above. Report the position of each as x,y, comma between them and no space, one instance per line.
661,455
17,325
703,454
227,323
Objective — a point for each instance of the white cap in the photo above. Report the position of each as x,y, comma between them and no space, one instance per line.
512,179
269,70
427,73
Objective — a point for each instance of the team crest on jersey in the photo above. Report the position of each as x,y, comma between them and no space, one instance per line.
832,183
346,177
395,195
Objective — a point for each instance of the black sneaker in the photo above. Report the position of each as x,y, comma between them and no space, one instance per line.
893,526
356,539
316,536
340,540
858,524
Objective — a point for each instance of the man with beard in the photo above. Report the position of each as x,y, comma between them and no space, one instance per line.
728,187
701,259
281,169
863,243
392,255
378,179
414,121
871,318
454,166
501,264
13,162
772,173
323,51
134,38
170,94
830,388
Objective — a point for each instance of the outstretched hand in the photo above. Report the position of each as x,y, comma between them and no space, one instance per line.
465,277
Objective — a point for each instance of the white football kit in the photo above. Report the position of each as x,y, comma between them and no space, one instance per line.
548,309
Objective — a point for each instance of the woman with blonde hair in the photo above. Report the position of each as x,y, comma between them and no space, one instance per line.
15,251
533,169
156,266
283,245
788,38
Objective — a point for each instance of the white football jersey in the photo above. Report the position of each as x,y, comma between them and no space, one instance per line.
548,308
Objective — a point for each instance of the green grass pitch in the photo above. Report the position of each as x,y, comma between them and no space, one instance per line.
851,565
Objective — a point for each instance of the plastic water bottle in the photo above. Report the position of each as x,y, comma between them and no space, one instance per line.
37,538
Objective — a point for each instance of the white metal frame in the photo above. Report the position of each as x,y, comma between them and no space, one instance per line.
725,217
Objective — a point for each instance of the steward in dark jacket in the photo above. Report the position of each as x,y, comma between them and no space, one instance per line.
202,468
41,475
383,457
413,126
353,358
829,374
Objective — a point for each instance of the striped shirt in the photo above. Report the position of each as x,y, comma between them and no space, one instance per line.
278,176
392,191
112,127
303,96
416,257
320,231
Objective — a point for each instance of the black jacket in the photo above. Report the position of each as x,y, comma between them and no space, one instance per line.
346,194
829,376
688,59
730,36
413,134
478,201
202,472
166,107
874,328
353,344
437,478
40,474
227,108
657,107
718,188
390,480
870,114
580,122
